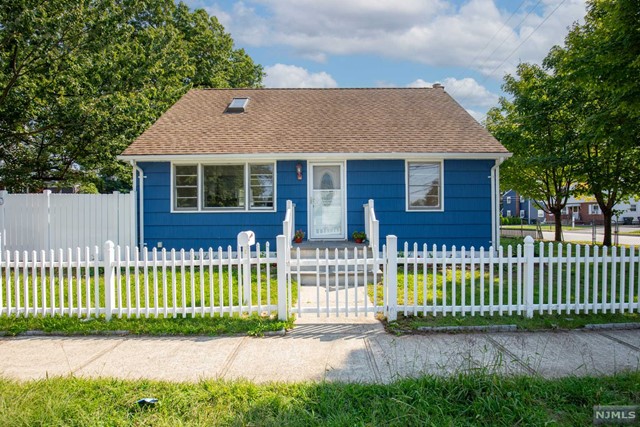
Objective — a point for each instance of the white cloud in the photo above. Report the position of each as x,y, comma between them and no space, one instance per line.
476,115
419,83
477,34
466,91
291,76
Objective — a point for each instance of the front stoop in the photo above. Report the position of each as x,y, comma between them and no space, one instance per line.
311,250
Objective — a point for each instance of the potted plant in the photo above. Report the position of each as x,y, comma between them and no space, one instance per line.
359,236
298,236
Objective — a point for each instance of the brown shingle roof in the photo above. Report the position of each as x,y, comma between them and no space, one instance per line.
316,121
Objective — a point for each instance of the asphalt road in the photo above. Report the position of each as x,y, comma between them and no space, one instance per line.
585,235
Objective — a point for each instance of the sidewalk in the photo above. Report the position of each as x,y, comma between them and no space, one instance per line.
321,350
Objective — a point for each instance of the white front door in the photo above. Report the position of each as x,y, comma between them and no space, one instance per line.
327,201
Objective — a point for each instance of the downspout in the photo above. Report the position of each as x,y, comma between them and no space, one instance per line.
495,203
137,170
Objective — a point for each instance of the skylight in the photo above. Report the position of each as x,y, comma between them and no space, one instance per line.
238,105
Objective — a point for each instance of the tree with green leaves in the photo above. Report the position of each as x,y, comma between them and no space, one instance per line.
538,127
586,120
79,81
601,61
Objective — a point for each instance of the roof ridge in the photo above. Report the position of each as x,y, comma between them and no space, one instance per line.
308,88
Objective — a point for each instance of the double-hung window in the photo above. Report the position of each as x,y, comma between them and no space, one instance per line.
424,186
594,210
185,187
224,187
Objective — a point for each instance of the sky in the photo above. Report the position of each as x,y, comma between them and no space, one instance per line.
466,45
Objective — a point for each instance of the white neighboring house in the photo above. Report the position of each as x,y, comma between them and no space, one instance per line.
585,209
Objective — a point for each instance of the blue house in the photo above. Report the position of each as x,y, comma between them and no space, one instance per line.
515,205
225,160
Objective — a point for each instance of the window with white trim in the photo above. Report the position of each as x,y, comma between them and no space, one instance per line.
424,180
508,212
632,208
594,210
185,187
261,186
508,200
521,213
224,187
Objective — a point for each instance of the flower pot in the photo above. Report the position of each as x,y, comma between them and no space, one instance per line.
298,240
359,240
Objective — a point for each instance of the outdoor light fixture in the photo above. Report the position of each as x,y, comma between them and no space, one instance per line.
299,171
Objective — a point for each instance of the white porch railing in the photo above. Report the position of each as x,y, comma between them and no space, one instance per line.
289,223
372,226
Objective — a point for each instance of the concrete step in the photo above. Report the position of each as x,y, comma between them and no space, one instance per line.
310,253
327,250
308,276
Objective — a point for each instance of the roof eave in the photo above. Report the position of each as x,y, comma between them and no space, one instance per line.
311,156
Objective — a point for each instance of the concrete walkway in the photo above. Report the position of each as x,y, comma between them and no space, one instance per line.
321,350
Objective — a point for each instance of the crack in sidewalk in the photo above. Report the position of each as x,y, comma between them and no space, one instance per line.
94,358
619,341
229,360
508,352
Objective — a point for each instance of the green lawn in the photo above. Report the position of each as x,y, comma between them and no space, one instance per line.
189,325
208,289
411,324
483,288
442,289
190,290
478,399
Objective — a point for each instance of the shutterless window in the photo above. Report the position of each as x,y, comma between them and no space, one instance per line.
424,186
223,187
186,187
261,186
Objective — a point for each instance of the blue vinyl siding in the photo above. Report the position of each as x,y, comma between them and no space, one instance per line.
465,221
187,230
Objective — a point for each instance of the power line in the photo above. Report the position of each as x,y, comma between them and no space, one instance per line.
519,24
526,38
517,47
504,24
503,40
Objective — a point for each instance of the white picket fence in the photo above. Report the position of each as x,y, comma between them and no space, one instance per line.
118,281
59,221
561,278
131,283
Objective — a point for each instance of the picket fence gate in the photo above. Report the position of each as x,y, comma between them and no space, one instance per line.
127,282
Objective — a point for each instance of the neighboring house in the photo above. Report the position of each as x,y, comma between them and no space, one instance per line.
225,160
585,209
515,205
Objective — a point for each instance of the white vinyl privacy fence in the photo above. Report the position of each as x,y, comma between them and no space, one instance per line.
118,281
59,221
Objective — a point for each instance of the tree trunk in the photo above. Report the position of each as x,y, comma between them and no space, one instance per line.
608,215
557,215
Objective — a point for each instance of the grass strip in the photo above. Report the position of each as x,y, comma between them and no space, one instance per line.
208,325
410,324
471,399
